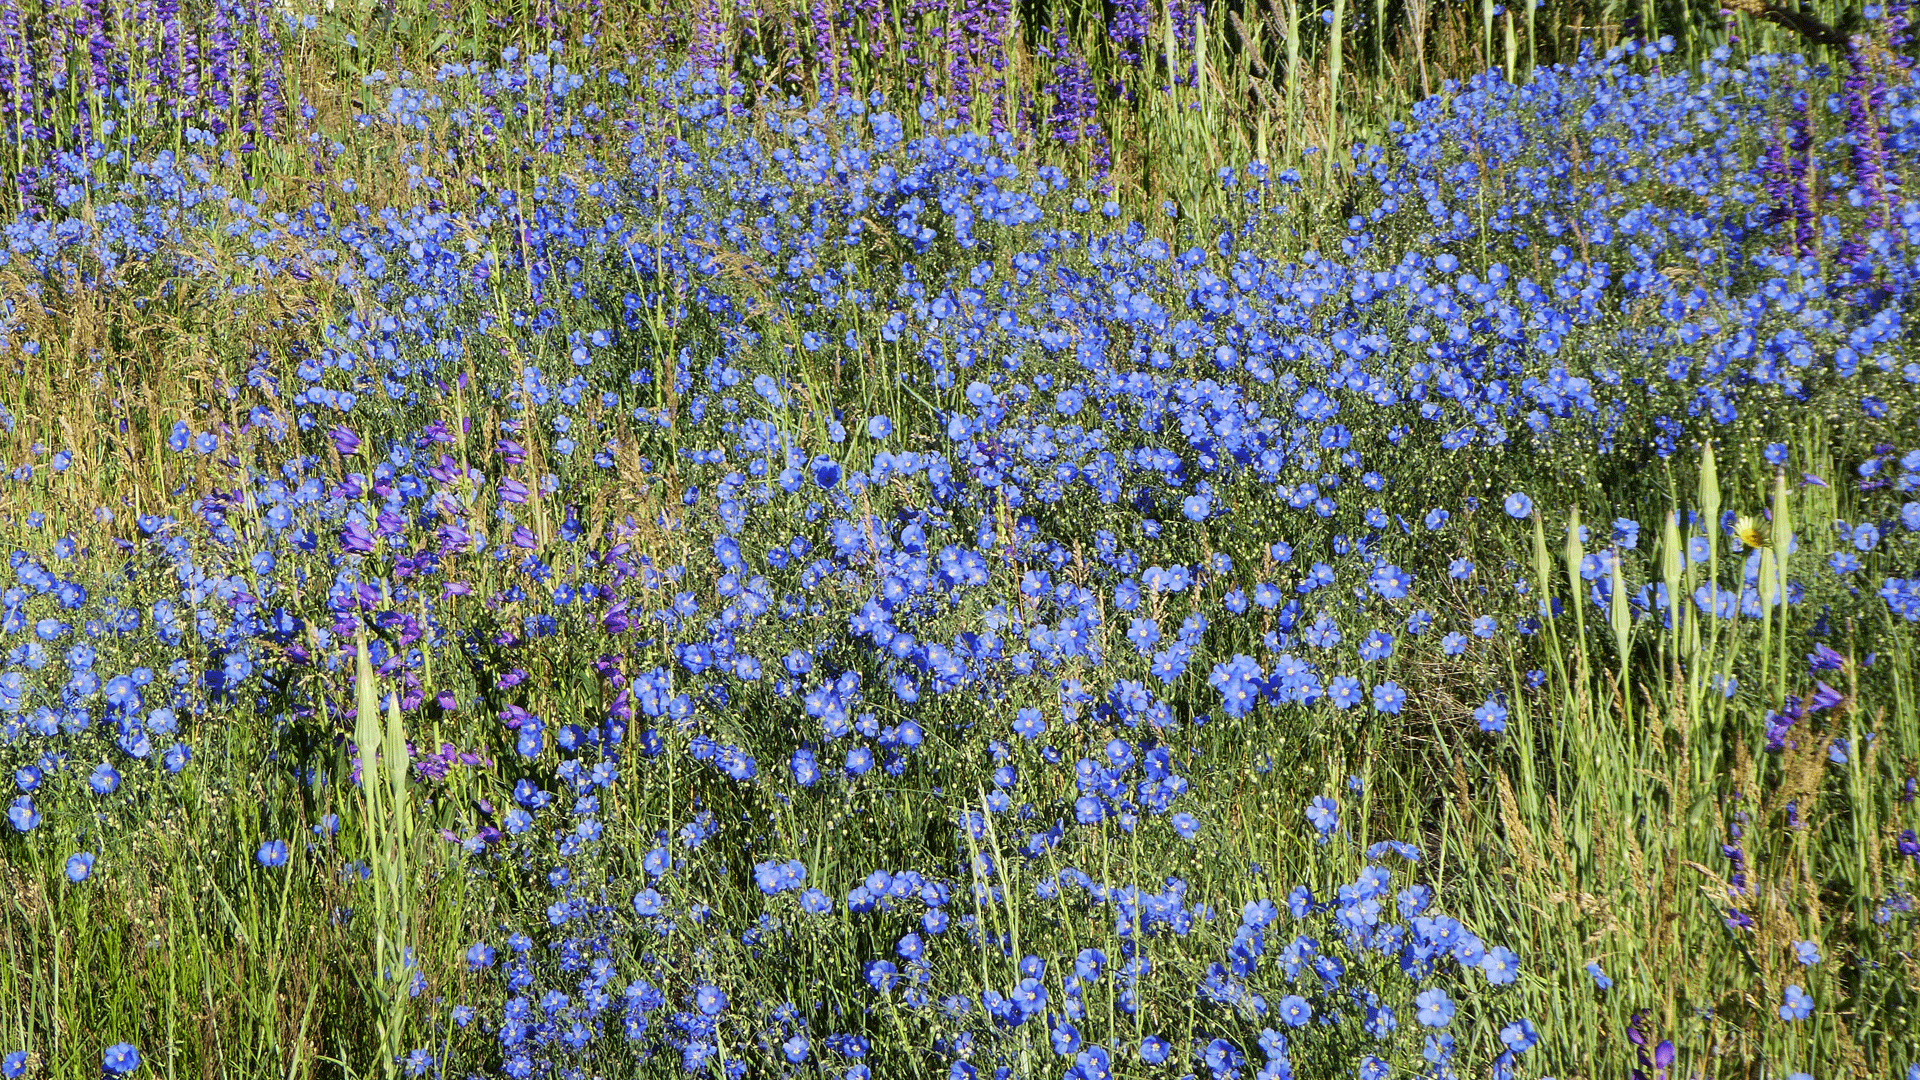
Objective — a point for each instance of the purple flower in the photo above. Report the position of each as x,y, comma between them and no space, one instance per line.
1074,116
709,39
1824,697
1824,658
1864,95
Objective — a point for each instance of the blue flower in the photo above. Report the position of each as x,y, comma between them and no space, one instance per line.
1807,952
1323,813
1295,1011
656,862
14,1065
1798,1004
775,876
1389,698
1390,582
795,1049
769,389
121,1059
1065,1039
826,472
480,956
272,853
1492,716
1222,1058
1500,965
806,769
80,867
1518,505
1029,995
1436,1008
1520,1036
710,1000
1343,691
1699,549
1376,646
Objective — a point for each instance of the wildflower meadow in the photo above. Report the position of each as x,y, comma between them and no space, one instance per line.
959,539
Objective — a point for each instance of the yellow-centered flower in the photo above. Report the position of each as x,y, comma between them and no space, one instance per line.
1748,530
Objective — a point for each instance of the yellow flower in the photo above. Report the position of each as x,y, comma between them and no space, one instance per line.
1748,530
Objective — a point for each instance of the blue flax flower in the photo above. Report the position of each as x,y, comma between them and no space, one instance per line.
1436,1008
120,1059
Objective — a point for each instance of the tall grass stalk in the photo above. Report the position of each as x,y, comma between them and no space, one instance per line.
1632,826
388,832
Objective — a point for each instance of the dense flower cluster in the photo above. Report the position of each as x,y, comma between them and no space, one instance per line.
846,553
80,84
